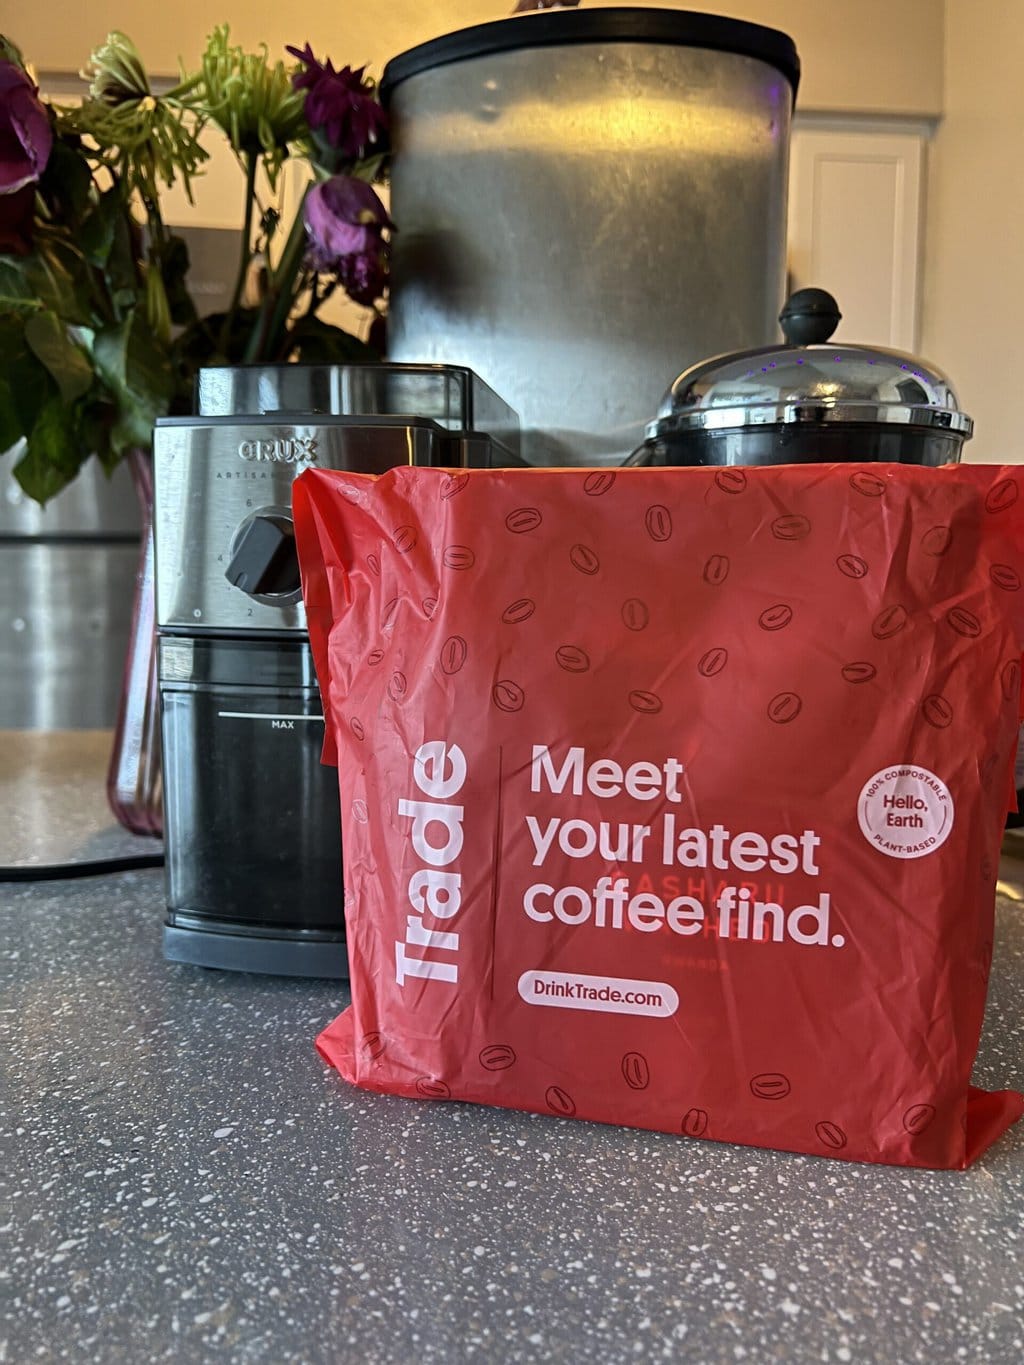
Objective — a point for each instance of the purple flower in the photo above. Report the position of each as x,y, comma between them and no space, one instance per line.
345,220
25,135
343,115
364,277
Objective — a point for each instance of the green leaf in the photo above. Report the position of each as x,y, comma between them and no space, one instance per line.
55,453
96,236
319,343
67,181
120,269
68,364
16,293
54,276
137,371
10,427
25,383
57,271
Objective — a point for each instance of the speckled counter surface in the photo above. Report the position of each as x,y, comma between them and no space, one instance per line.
184,1180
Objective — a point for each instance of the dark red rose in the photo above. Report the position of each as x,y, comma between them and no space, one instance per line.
25,134
342,113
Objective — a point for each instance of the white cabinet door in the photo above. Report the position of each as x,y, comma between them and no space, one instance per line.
855,216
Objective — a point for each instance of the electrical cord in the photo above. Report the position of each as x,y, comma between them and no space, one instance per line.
94,867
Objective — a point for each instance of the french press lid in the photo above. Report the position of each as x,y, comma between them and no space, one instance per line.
810,380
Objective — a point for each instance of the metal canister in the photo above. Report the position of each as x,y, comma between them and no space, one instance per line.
586,199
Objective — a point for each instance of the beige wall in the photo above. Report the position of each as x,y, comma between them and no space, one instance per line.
873,56
974,249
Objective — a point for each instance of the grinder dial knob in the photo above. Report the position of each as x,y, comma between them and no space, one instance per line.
264,562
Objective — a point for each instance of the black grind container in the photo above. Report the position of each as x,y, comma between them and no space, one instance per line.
810,401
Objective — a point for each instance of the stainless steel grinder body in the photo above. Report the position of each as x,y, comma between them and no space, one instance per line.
586,201
252,819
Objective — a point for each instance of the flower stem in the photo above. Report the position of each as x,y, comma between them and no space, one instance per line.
251,167
265,339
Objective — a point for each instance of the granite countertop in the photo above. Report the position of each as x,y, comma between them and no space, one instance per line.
185,1180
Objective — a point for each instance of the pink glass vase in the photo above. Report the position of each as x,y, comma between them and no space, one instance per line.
134,782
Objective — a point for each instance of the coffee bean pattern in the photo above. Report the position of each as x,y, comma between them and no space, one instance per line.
695,1122
458,557
453,654
559,1101
572,659
373,1045
918,1117
889,622
770,1085
518,611
830,1134
584,560
711,664
937,541
791,528
635,1071
658,522
731,480
1005,576
1002,496
859,673
716,570
452,484
964,622
852,566
642,614
647,703
596,485
866,484
497,1057
508,695
635,614
775,618
784,707
523,519
430,1088
1010,680
937,711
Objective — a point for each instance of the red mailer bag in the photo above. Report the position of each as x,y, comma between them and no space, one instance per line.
674,798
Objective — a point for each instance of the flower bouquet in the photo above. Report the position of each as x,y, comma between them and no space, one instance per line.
99,333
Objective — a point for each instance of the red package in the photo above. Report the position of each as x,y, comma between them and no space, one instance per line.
674,798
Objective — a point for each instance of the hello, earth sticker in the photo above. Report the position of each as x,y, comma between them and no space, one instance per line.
905,811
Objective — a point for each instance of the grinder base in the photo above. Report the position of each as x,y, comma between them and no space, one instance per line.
243,952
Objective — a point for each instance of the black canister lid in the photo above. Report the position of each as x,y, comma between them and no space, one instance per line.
552,28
